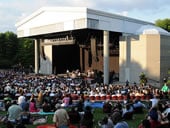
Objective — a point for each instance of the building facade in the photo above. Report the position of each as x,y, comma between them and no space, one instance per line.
78,38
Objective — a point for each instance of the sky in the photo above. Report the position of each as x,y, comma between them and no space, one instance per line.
12,11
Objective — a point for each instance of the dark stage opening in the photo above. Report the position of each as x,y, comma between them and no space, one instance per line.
65,57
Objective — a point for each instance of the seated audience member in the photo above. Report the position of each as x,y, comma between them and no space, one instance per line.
87,119
9,124
2,106
65,101
26,116
117,107
40,97
161,106
107,107
127,112
14,112
145,124
106,123
20,125
166,111
21,98
46,106
80,106
74,116
87,102
166,122
118,120
32,106
7,101
138,106
153,118
71,100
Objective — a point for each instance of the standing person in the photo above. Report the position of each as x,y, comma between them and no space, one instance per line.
61,117
165,88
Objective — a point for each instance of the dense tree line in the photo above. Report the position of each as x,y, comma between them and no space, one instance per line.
14,51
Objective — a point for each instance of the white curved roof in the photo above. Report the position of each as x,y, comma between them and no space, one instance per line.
151,29
58,19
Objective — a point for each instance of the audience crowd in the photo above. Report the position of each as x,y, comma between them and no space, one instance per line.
24,94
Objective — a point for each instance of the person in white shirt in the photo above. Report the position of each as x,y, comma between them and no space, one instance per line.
154,101
21,100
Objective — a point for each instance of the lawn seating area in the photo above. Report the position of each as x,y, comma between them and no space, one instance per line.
98,116
52,90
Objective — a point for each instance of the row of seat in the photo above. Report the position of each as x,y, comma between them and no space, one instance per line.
111,97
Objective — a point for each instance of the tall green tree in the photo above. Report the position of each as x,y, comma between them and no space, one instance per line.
8,48
165,24
2,45
26,52
14,50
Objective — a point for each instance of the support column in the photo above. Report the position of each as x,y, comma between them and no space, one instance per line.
36,44
128,58
106,56
82,56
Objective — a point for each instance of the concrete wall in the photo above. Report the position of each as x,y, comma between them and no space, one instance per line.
46,64
142,55
165,56
153,56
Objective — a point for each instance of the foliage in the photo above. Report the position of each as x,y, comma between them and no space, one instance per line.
143,79
165,24
26,52
14,50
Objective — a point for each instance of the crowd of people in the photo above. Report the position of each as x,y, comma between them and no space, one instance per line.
157,113
31,93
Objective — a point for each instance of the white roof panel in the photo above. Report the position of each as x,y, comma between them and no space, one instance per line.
151,29
57,19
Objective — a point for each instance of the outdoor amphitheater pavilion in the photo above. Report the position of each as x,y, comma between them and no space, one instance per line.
82,38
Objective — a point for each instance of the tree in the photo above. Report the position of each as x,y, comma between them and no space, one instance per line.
26,52
14,51
8,49
165,24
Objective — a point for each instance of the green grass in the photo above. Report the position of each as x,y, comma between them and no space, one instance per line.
98,115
